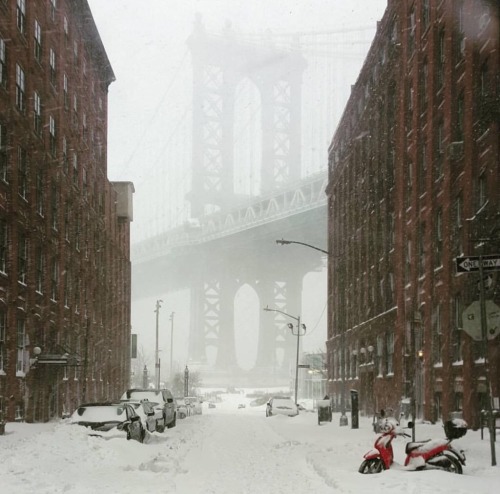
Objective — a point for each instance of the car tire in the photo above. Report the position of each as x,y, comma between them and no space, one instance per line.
173,423
160,427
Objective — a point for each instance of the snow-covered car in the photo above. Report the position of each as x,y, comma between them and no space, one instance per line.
194,404
146,411
162,402
182,409
281,406
102,417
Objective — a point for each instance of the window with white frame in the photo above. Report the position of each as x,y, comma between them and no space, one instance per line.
22,172
40,192
75,169
22,343
65,92
52,135
53,6
22,258
21,15
38,41
3,63
39,269
437,335
65,162
54,279
37,113
54,206
52,65
380,355
438,236
20,89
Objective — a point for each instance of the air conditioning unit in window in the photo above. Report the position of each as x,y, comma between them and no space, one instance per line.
456,150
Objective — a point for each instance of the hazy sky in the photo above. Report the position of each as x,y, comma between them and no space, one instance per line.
149,111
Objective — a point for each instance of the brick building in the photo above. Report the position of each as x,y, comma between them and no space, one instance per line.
64,228
413,183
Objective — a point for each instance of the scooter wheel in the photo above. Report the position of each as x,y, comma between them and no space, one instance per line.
374,465
452,465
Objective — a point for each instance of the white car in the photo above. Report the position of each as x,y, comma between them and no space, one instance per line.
194,404
162,402
281,406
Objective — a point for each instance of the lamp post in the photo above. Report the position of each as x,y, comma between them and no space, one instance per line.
343,416
171,375
157,361
298,335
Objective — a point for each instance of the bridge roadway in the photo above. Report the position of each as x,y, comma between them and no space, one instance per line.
241,239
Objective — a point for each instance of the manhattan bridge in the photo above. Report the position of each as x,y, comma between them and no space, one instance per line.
245,164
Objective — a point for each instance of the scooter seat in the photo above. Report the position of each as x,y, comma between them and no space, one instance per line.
414,445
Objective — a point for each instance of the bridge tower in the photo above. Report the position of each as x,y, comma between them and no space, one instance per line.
220,63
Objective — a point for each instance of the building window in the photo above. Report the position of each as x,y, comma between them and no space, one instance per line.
39,269
54,206
38,41
425,14
20,89
66,30
380,356
409,184
22,172
458,226
65,92
40,196
53,5
421,249
3,64
3,153
75,169
37,113
84,127
52,65
22,259
54,279
389,353
3,246
440,59
460,36
408,262
438,239
52,135
65,162
21,15
22,343
75,52
75,111
84,183
424,75
437,333
412,27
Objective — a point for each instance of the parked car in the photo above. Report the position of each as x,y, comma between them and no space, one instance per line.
102,417
194,403
211,404
182,409
146,410
163,403
281,406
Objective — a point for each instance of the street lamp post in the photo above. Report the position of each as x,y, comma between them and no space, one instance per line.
171,375
157,361
298,335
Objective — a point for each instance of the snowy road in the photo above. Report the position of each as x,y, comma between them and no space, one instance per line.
226,451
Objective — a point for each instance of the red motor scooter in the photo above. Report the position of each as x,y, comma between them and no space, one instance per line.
420,455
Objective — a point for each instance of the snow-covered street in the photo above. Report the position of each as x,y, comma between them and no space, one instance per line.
227,450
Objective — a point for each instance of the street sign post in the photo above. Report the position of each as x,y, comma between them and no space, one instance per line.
481,264
471,320
470,264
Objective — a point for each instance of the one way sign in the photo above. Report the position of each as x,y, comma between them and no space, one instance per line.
471,263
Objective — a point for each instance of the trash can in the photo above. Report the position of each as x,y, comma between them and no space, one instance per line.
324,411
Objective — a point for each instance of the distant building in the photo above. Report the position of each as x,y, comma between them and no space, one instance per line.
414,183
64,228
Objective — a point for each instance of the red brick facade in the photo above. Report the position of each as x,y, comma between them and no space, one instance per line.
64,228
413,183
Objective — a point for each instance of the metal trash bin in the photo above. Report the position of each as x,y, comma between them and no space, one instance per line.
324,411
